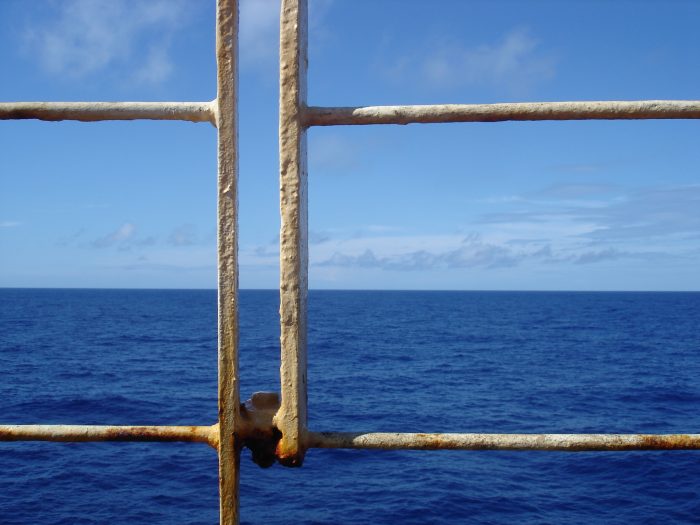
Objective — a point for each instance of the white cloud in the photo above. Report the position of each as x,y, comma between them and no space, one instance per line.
9,224
449,252
84,37
514,64
156,68
561,225
659,215
124,233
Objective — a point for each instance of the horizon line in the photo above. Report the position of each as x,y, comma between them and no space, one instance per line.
482,290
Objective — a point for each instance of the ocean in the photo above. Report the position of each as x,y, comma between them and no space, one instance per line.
378,361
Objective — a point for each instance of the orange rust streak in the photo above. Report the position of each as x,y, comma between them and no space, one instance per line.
81,433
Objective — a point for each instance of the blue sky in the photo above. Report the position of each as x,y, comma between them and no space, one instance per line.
531,206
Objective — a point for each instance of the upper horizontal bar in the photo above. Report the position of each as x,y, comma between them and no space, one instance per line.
553,442
195,434
96,111
609,110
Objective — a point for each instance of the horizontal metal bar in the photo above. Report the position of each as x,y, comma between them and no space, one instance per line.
610,110
553,442
194,434
96,111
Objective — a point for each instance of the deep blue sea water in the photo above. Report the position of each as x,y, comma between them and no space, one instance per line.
379,361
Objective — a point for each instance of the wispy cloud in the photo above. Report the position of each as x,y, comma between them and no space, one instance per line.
123,238
472,254
259,27
156,67
515,64
85,37
608,254
476,253
183,235
565,225
9,224
123,233
656,214
317,237
652,213
184,238
401,253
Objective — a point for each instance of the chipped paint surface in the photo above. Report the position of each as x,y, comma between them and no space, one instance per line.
257,428
553,442
65,433
96,111
227,244
291,418
276,430
614,110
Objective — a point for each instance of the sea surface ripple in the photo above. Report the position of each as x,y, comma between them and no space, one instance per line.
378,361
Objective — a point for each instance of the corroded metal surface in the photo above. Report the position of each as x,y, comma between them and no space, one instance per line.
257,428
553,442
274,430
291,418
613,110
195,434
96,111
258,433
227,228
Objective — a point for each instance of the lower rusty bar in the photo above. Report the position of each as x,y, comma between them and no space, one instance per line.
553,442
441,113
195,434
97,111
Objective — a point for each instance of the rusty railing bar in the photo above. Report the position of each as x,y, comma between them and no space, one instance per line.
521,111
294,249
195,434
98,111
551,442
230,442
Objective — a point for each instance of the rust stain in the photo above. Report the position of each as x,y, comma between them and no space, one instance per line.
669,442
258,431
263,446
82,433
432,441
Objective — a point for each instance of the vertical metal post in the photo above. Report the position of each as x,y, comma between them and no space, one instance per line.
227,144
291,418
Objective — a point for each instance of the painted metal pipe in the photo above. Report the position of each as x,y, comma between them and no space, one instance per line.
98,111
294,245
609,110
195,434
552,442
230,442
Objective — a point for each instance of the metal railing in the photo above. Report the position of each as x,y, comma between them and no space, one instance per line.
274,430
228,435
